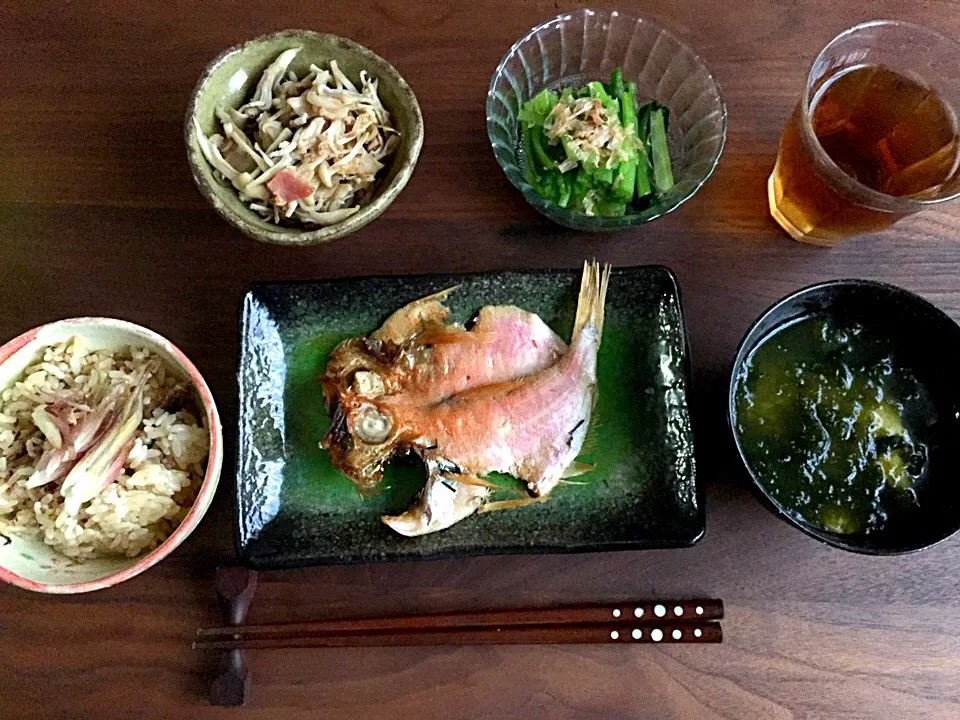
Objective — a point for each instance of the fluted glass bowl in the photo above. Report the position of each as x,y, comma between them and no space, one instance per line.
578,47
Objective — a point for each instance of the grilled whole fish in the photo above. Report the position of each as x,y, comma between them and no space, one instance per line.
505,396
414,359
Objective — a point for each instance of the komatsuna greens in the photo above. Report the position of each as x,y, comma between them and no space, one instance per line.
593,150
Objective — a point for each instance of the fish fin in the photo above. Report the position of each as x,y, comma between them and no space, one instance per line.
442,295
453,336
475,481
589,443
593,296
577,468
509,504
413,317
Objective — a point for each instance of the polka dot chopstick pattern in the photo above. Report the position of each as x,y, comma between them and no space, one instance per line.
693,621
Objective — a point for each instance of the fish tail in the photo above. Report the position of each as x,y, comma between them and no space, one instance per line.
593,296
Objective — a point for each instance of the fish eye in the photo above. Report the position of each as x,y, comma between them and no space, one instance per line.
372,426
368,384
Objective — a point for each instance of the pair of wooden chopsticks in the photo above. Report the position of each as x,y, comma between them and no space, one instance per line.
688,621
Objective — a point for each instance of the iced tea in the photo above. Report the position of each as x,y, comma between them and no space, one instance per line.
883,130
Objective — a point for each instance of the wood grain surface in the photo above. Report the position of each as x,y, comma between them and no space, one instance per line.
98,215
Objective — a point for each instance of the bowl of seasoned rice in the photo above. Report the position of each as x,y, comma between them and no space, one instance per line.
110,453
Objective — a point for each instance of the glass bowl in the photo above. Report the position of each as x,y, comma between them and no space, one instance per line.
585,45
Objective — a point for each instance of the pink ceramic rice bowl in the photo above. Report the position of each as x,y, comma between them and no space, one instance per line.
33,565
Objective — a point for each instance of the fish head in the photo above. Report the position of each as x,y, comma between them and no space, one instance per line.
361,440
368,368
363,435
346,360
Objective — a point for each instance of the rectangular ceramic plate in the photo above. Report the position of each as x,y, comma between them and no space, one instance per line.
295,509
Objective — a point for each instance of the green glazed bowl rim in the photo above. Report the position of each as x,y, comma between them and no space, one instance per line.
581,221
249,222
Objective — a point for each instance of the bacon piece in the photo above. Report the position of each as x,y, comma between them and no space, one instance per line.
287,186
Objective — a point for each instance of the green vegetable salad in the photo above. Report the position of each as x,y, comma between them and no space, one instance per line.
594,151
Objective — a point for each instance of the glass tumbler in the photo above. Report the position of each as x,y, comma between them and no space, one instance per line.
816,196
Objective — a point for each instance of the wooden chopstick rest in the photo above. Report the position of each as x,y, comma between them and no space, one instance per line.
235,589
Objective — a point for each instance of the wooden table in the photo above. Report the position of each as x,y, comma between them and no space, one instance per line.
99,216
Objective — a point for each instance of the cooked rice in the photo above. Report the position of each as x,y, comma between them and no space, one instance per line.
161,475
